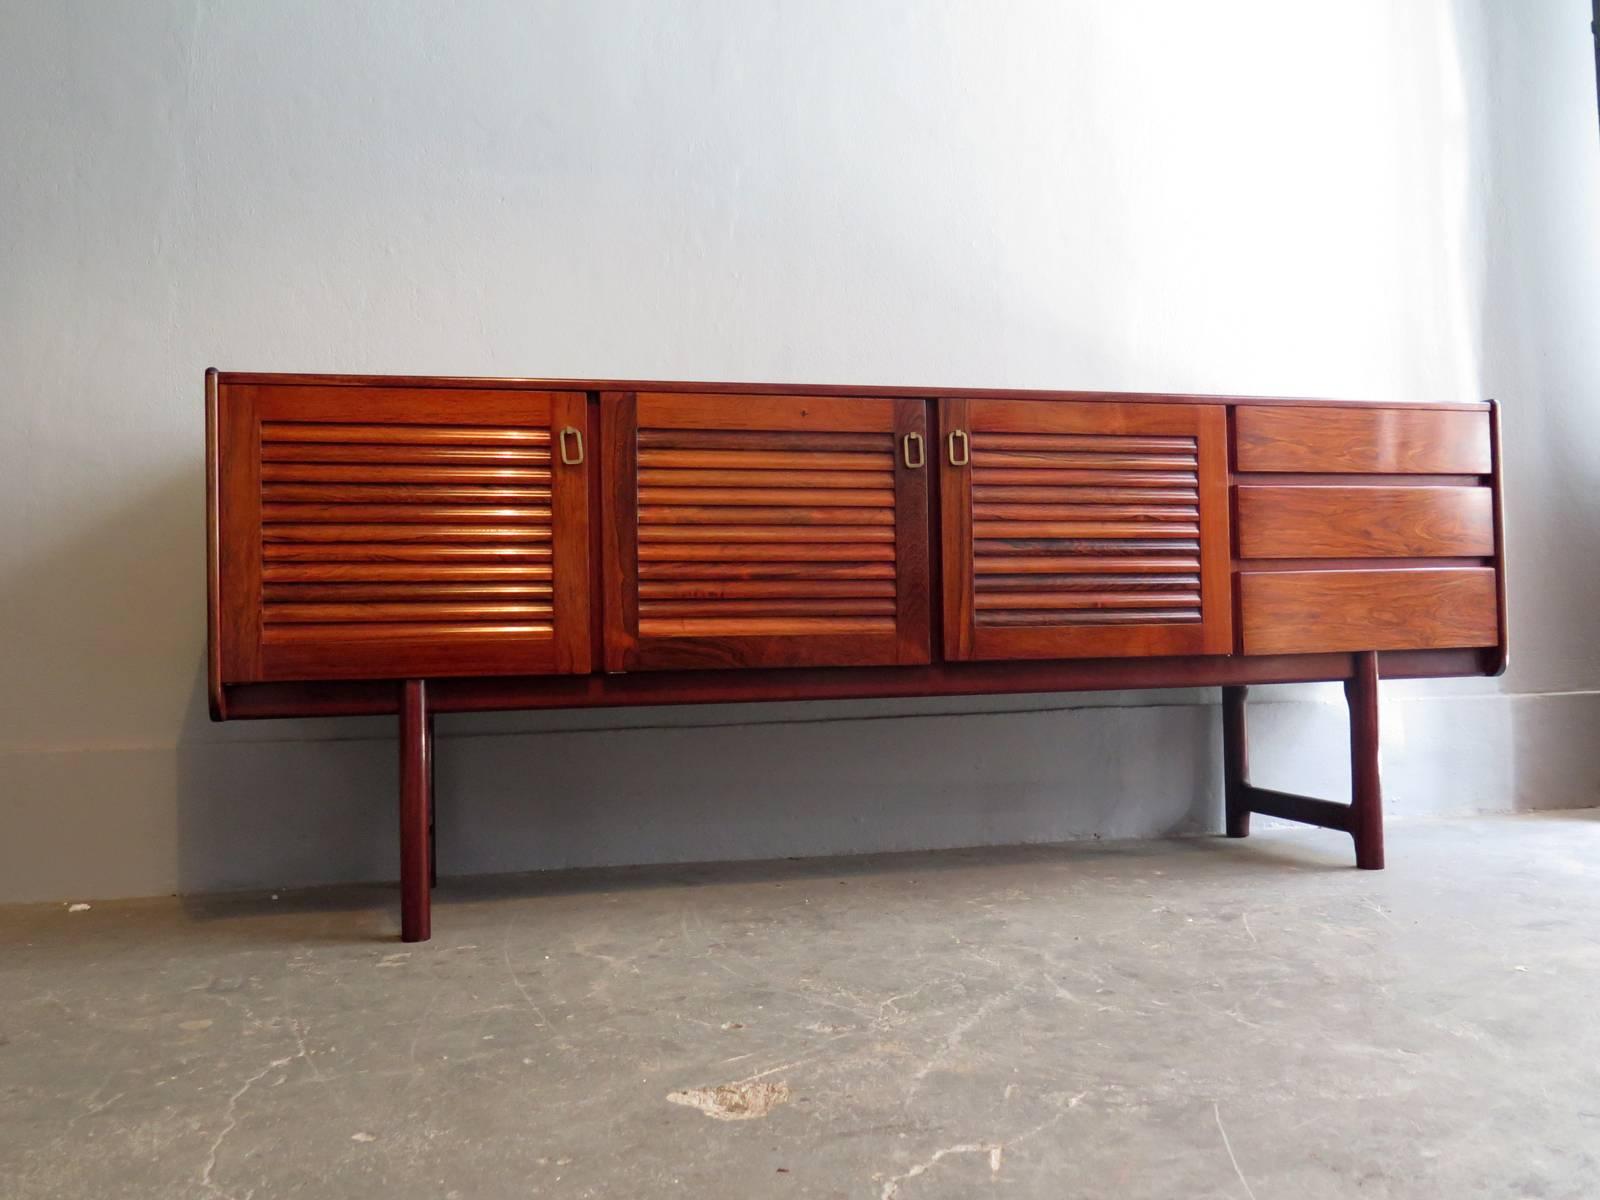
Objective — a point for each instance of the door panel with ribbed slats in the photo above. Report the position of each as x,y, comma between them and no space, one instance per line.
764,531
1084,530
396,533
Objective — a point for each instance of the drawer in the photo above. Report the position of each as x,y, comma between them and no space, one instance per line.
1296,612
1364,522
1316,439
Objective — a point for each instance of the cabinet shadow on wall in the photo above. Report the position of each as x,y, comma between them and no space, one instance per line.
297,803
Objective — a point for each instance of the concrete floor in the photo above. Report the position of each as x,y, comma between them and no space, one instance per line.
1197,1018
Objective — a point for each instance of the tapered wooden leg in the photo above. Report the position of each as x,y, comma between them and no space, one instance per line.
415,792
1366,802
1235,762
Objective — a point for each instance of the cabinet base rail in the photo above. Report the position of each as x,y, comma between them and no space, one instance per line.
1362,818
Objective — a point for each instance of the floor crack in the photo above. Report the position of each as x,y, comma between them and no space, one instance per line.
231,1119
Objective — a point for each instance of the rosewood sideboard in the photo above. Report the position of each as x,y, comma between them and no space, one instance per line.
422,545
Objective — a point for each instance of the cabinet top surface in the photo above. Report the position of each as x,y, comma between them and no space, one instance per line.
807,389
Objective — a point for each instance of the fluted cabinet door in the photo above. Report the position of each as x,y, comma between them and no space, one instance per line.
764,531
391,533
1084,530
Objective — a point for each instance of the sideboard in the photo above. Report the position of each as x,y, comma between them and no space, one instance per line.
418,545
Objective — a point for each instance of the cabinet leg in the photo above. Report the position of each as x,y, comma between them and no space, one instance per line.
1362,818
1235,762
1366,803
416,753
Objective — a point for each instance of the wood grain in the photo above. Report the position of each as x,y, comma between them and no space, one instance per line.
779,534
402,452
238,503
404,494
406,474
1366,804
1085,583
1496,663
1174,596
422,514
619,530
438,533
373,456
215,694
721,480
710,684
299,593
458,383
956,492
1364,522
574,567
1107,528
371,534
348,432
1235,763
1081,460
733,589
1056,496
746,626
437,651
1043,564
755,439
871,464
398,552
799,412
1291,612
914,563
723,606
347,610
763,552
1026,476
1344,440
789,489
985,494
762,532
370,572
416,808
761,515
766,570
1046,617
1079,512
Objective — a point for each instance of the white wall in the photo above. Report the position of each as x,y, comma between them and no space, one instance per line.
1366,200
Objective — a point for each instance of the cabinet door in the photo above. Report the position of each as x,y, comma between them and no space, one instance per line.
765,531
389,533
1083,530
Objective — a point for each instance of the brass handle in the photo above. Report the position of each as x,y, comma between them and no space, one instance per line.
906,443
572,460
966,448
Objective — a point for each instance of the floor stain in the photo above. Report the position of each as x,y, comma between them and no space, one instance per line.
733,1101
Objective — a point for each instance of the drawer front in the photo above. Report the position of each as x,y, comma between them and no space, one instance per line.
1298,612
765,531
1317,439
1365,522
